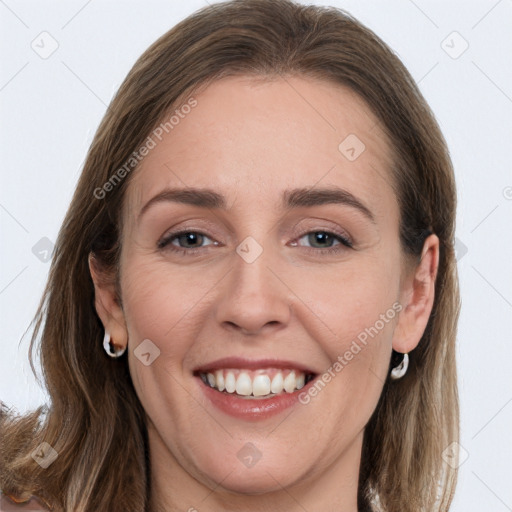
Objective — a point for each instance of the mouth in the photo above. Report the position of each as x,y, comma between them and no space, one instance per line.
253,390
263,383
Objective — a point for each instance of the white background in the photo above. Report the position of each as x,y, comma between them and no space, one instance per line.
50,108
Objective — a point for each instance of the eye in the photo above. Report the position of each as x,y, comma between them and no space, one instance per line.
325,241
190,242
186,241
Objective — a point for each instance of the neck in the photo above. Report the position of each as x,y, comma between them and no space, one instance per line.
174,489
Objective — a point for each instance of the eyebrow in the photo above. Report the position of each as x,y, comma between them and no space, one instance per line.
291,198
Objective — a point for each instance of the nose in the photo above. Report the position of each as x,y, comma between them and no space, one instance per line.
254,299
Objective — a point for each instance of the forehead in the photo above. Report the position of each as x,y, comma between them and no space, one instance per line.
248,137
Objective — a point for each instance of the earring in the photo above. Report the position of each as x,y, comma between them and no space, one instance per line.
110,348
399,371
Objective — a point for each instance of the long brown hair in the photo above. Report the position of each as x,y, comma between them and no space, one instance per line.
94,420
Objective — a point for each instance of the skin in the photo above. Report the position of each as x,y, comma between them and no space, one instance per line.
250,140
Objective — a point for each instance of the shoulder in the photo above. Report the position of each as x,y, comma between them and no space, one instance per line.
8,504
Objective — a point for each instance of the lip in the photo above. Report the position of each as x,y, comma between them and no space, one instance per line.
252,364
252,409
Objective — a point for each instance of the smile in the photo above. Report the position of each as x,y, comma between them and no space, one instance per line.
260,383
253,390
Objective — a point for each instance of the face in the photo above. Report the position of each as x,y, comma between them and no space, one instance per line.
295,266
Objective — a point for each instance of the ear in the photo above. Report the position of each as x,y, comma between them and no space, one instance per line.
417,298
107,304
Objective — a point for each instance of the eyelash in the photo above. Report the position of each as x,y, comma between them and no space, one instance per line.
345,243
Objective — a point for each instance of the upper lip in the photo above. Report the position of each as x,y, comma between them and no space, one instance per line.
251,364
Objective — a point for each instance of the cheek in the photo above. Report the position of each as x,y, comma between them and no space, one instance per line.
352,297
160,305
159,302
358,309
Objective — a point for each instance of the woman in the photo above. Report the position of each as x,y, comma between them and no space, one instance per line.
300,353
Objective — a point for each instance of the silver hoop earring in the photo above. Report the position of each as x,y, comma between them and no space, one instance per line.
399,371
110,348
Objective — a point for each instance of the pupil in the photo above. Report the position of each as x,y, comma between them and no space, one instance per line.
190,237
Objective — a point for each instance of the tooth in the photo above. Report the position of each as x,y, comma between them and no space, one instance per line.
230,382
261,385
219,376
244,384
277,383
289,382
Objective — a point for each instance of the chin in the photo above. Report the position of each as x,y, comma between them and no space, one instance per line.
253,481
252,477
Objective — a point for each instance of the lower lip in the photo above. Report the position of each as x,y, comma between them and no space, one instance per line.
252,408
